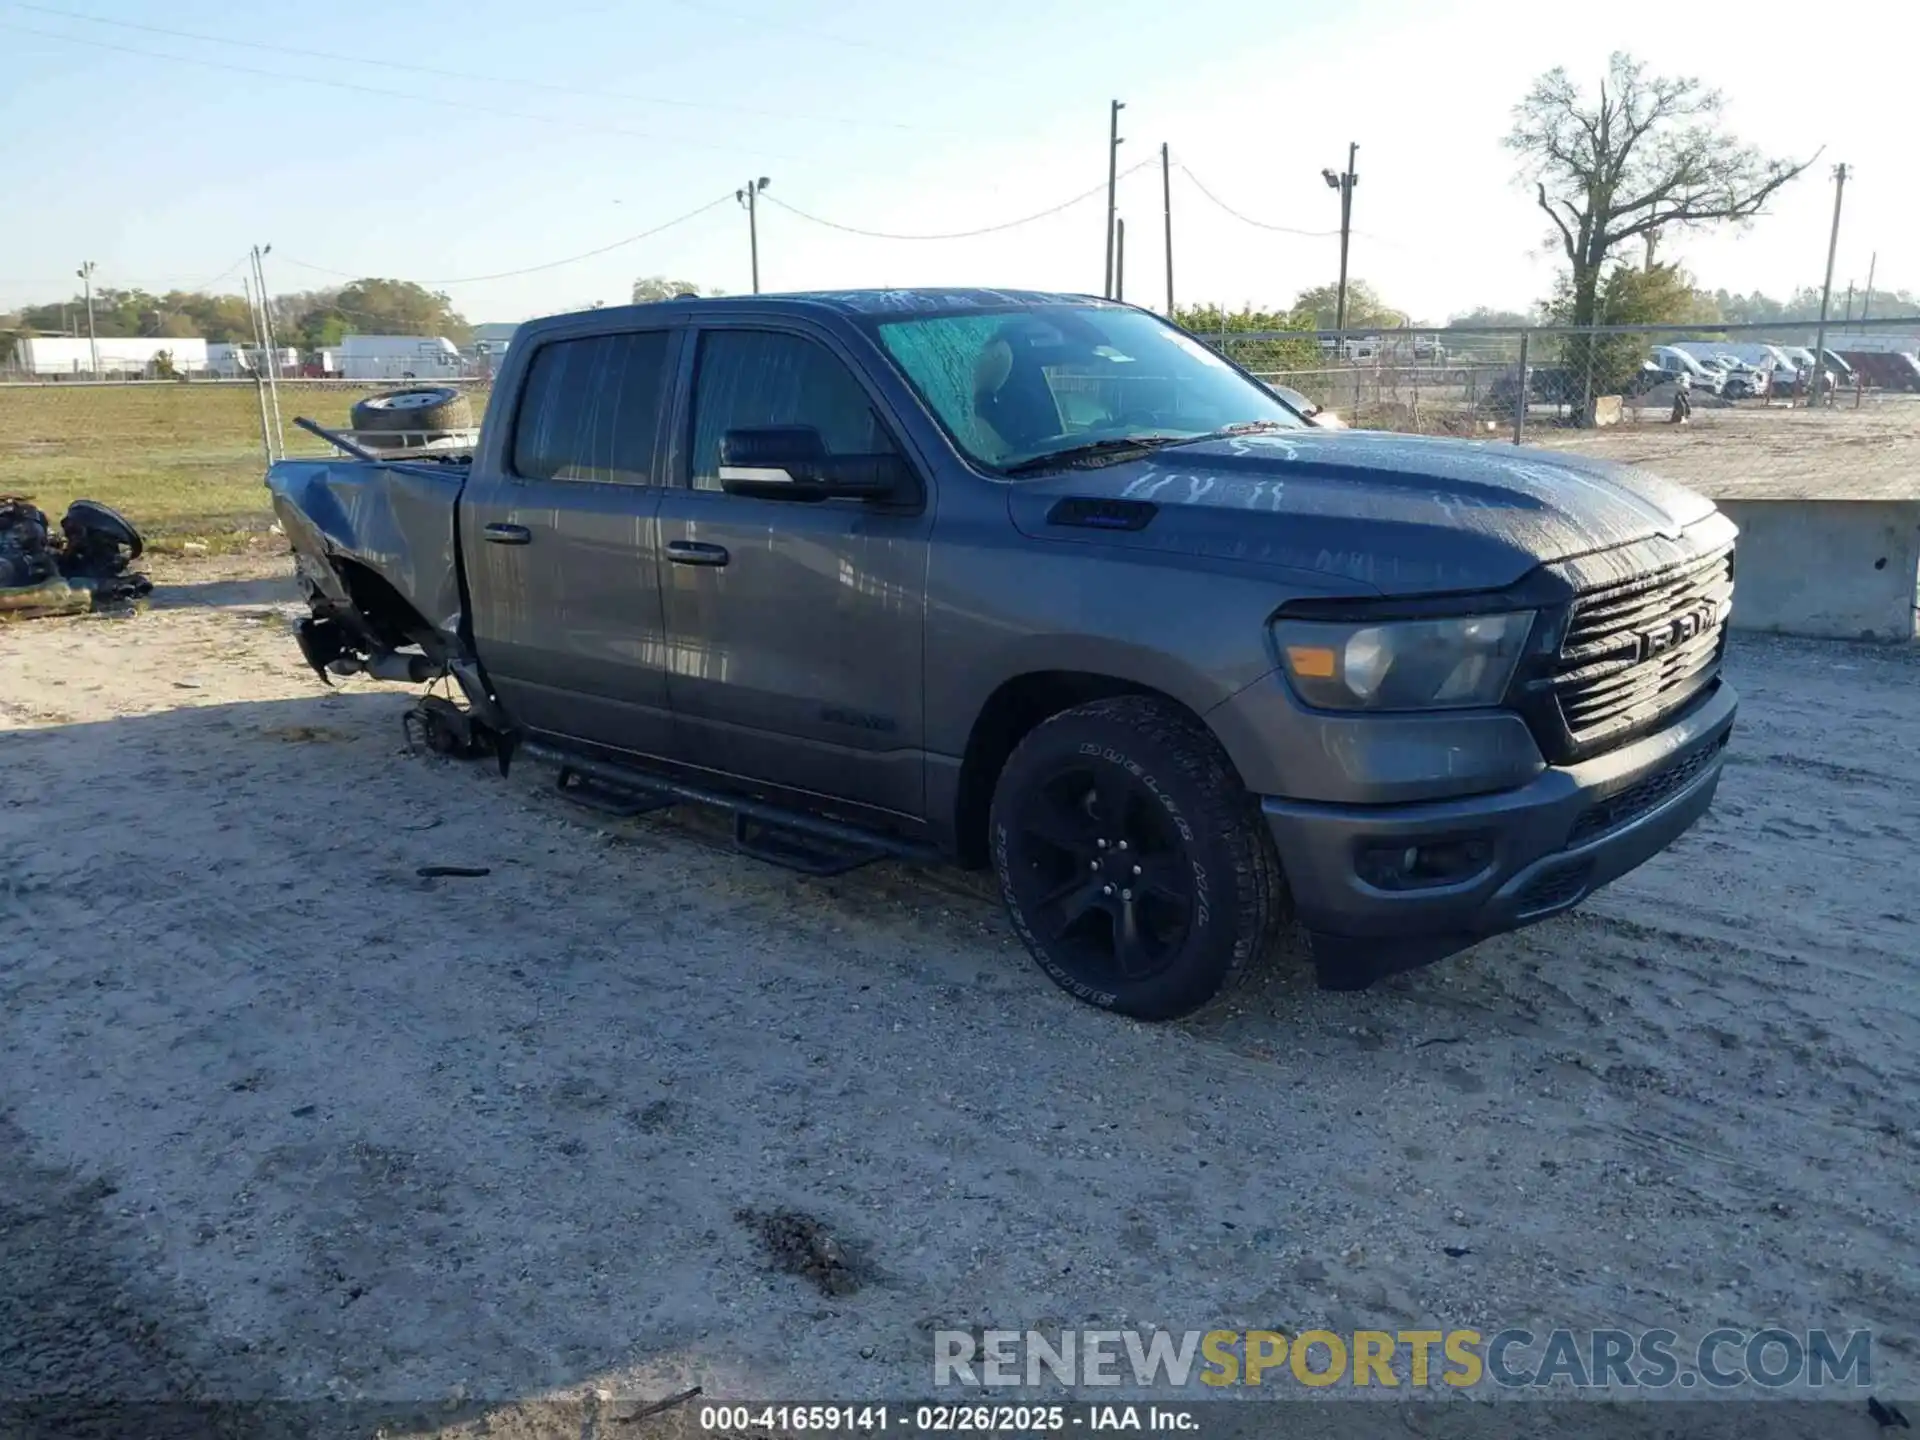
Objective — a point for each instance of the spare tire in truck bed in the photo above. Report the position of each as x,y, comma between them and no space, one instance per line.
423,411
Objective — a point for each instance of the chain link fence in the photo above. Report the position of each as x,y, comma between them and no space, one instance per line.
1732,410
1447,381
1735,410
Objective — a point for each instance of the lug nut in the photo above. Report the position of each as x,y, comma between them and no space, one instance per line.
1101,844
1094,863
1106,889
1126,895
1123,844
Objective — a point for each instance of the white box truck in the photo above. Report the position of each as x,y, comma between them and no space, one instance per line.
400,357
120,356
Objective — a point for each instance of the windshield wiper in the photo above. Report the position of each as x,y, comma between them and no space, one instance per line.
1114,448
1228,432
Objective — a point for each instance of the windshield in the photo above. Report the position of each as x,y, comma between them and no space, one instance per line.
1012,387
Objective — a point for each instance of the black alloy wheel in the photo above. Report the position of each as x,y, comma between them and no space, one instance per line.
1132,861
1103,873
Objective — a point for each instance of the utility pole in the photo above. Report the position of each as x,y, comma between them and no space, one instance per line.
1113,182
85,272
1849,305
271,356
1166,202
1120,259
259,384
1826,292
748,194
1344,183
1866,301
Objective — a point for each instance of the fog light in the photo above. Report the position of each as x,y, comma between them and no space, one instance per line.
1443,861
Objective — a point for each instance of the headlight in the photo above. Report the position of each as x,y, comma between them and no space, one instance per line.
1403,664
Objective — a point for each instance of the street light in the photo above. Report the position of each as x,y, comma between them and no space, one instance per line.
747,195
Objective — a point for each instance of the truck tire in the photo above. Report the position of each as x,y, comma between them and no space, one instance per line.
1132,861
423,411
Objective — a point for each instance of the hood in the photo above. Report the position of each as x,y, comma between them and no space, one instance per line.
1401,514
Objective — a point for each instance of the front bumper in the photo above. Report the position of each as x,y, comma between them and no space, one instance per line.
1548,845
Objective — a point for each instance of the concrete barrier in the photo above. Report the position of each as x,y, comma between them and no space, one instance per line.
1833,569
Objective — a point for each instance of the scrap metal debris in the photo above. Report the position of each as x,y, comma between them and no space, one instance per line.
1886,1416
800,1245
82,568
657,1407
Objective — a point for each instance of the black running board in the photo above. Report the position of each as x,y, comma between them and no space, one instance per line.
792,849
605,799
791,839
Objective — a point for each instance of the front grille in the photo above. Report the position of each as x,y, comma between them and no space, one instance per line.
1638,650
1643,795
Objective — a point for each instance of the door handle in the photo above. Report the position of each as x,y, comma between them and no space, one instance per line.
508,535
694,552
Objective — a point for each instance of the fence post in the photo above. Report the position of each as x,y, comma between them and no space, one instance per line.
1520,401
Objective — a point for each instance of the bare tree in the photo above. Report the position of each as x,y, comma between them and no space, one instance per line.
1643,160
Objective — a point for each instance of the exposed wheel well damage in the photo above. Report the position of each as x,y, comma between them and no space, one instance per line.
1004,721
386,615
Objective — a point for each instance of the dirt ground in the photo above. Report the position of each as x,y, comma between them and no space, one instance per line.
1773,453
279,1117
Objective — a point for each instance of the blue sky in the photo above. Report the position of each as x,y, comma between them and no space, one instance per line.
164,158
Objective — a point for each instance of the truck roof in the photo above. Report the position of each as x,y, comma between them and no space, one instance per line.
925,301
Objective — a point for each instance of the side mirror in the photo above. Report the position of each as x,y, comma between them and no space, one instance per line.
790,462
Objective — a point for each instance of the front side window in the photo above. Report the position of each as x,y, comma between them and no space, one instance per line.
1014,386
591,409
751,378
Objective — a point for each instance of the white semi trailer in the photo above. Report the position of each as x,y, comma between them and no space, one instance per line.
400,357
119,356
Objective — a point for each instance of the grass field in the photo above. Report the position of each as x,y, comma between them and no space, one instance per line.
182,461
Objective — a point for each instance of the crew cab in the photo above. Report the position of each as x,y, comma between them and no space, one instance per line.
1042,583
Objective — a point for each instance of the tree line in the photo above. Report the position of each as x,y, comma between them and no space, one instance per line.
310,319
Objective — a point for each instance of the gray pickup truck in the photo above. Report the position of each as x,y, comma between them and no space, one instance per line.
1040,582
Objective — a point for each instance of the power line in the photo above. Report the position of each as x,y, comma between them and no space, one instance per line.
681,220
1282,229
531,269
1248,219
206,285
390,94
858,43
518,82
958,234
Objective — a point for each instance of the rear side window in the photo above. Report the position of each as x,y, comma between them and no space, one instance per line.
759,377
591,409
